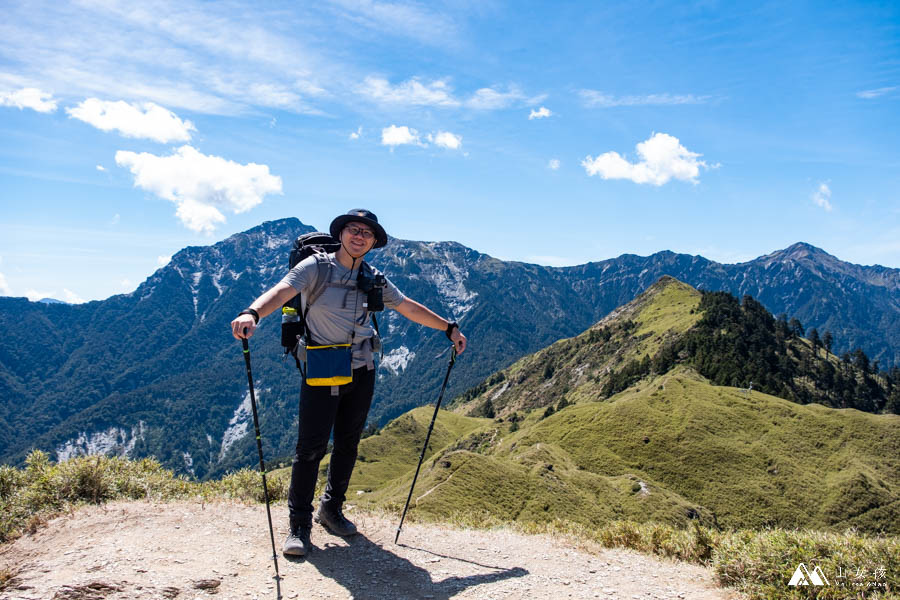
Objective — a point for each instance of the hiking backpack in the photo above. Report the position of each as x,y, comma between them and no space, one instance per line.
293,313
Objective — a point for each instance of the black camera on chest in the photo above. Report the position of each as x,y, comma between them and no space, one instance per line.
372,284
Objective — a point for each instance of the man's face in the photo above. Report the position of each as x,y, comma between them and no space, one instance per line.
358,238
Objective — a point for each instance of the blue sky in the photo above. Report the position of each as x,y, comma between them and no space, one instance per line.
539,132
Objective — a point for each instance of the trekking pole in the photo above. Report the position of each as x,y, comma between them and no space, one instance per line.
425,445
262,464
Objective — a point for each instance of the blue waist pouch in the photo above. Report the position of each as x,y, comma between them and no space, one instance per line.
329,365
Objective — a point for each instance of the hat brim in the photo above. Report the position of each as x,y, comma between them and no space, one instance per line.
381,237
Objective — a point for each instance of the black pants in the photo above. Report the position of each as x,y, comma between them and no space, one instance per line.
319,412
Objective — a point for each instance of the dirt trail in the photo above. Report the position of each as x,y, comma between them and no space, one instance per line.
189,550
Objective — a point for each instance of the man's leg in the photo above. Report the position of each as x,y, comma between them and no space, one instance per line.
316,418
348,427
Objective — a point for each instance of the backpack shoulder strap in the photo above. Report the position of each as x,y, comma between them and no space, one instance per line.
323,276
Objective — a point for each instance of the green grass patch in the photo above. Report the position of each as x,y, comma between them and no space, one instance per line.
696,451
31,496
670,312
761,563
754,460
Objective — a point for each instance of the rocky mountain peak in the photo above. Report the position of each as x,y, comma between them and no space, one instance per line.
803,257
800,252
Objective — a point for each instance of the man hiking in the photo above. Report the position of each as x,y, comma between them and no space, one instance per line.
338,331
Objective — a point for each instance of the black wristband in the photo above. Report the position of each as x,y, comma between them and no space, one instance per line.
252,313
449,330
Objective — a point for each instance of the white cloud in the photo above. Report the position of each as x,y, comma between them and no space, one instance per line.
398,136
594,98
553,164
356,134
207,60
412,92
32,98
822,197
163,260
71,297
200,185
541,113
411,19
35,295
445,139
662,158
125,283
272,95
197,57
491,99
439,92
870,94
4,286
101,168
147,120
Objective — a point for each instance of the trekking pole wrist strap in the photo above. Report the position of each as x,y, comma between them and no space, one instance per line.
252,313
449,330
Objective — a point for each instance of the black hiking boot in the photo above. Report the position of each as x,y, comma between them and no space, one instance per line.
297,542
333,520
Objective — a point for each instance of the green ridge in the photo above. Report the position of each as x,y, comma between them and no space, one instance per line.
711,453
671,448
577,368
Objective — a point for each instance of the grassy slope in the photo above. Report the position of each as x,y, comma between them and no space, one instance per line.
580,365
670,310
395,450
753,460
714,453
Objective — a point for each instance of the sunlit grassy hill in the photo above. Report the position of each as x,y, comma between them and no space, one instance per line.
395,450
578,367
670,448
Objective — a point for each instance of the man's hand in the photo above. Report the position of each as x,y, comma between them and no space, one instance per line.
458,339
264,305
243,327
422,315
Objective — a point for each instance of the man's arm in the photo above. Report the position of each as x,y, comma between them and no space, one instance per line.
265,305
422,315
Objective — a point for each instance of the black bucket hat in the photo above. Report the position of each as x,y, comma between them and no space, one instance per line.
360,215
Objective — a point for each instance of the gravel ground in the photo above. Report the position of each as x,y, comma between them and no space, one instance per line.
191,550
